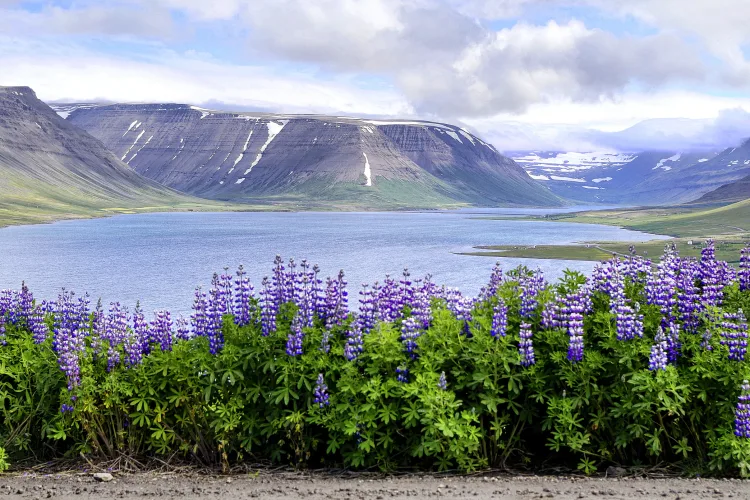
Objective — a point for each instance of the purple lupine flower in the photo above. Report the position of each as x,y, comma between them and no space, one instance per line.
421,308
688,298
295,337
526,345
336,301
406,289
269,308
442,382
499,319
673,342
410,332
742,413
161,329
303,296
278,281
389,307
243,294
575,308
496,279
711,276
321,392
660,290
115,331
461,307
734,335
366,317
744,273
25,303
66,408
199,317
136,343
69,345
6,302
551,314
706,341
530,286
214,323
354,342
317,293
402,374
3,341
37,325
325,342
658,358
182,329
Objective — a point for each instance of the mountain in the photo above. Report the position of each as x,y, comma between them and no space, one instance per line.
50,169
644,178
728,193
309,160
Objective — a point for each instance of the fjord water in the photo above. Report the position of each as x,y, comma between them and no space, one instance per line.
160,258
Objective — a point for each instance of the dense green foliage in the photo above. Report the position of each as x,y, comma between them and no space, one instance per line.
253,400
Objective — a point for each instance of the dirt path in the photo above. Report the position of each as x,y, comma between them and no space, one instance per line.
290,486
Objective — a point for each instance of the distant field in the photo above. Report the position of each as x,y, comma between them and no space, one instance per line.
729,225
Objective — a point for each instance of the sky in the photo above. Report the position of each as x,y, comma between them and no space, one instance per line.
523,74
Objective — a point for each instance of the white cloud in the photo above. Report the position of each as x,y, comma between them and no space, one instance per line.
70,72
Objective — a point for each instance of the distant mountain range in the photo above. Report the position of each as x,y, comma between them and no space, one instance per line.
49,166
311,161
643,178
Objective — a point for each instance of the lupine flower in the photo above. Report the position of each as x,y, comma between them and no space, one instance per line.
199,317
711,275
317,293
214,330
66,408
402,374
461,307
410,332
6,302
421,308
182,329
442,382
499,319
496,279
734,335
25,303
295,337
744,274
243,294
37,325
673,342
303,295
161,329
321,392
136,342
575,308
551,315
388,300
407,292
336,301
115,331
658,358
688,298
3,340
354,342
742,413
269,309
526,345
69,345
661,288
366,317
530,286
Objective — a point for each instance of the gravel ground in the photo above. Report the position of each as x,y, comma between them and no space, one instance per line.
291,486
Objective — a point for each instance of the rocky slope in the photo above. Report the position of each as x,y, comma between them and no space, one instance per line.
319,161
728,193
645,178
48,166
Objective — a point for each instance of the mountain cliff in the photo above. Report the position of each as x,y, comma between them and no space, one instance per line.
318,161
50,168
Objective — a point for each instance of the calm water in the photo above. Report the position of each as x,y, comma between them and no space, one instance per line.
160,258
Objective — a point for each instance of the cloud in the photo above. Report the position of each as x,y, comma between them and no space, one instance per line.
71,72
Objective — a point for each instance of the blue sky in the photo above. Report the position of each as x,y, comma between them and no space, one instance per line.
507,69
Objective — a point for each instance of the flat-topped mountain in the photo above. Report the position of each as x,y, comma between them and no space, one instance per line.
48,166
319,161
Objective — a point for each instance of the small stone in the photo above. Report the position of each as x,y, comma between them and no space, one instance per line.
103,477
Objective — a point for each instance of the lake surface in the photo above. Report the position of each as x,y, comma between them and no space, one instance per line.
160,258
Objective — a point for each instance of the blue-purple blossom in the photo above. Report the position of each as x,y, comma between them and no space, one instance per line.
742,412
499,319
354,342
402,374
496,279
744,274
442,382
526,345
161,329
530,286
268,308
321,392
295,337
366,317
658,358
575,307
734,335
410,332
243,295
